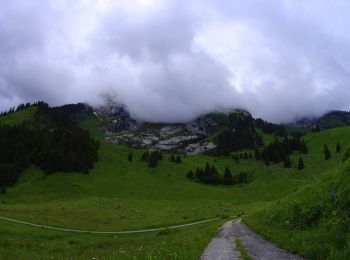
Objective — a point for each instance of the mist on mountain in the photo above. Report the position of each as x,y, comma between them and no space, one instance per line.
174,60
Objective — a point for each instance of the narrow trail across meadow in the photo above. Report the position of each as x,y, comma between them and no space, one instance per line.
106,232
222,246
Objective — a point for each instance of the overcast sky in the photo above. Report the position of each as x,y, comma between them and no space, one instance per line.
171,60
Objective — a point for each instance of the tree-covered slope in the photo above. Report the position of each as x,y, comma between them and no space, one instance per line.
46,137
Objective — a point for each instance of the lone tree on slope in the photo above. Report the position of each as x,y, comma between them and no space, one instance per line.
228,180
301,164
130,157
327,153
338,148
178,159
287,163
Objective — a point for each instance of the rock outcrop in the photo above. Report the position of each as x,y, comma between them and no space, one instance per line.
189,138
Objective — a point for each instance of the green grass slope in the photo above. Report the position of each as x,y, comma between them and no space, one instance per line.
315,220
18,117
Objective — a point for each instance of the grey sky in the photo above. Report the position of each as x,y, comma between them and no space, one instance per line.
171,60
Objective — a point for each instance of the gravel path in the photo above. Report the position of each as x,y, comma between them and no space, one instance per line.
222,245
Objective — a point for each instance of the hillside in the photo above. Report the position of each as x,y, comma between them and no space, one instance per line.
332,119
118,194
45,137
314,220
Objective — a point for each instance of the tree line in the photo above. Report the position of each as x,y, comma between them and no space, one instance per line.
270,128
152,158
18,108
210,175
279,151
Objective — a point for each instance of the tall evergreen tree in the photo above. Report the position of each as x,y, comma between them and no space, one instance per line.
207,169
178,159
153,161
190,175
242,177
228,180
145,156
245,155
301,164
327,153
338,148
287,163
130,157
257,154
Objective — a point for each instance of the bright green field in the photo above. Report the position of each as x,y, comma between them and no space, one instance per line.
121,195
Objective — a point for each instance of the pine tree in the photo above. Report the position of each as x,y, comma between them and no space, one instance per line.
214,178
301,164
287,163
303,148
130,157
207,169
316,128
153,162
172,158
327,153
338,148
145,156
228,180
245,155
243,177
237,160
178,159
190,175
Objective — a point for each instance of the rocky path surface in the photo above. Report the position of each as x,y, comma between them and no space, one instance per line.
222,246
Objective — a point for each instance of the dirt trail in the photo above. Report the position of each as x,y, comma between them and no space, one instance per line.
222,246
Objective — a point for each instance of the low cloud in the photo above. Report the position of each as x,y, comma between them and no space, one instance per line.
173,60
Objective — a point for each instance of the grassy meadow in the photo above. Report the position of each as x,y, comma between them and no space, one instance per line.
120,195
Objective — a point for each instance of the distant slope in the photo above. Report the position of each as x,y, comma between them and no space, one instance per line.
334,119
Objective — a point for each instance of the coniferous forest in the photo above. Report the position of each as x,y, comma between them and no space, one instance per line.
52,141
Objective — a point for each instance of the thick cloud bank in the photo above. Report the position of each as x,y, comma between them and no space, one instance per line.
171,60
